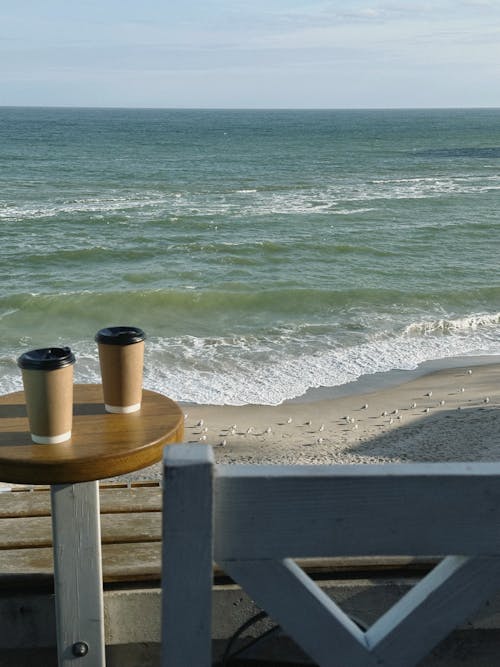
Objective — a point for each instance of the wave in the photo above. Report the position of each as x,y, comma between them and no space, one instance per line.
257,371
332,197
447,326
238,297
284,363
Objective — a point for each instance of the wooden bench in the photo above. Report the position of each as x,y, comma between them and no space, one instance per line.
254,519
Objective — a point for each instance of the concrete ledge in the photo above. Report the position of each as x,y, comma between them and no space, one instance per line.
132,615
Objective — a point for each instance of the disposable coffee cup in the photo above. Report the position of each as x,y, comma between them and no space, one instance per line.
48,390
121,358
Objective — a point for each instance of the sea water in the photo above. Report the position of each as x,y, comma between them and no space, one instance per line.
263,252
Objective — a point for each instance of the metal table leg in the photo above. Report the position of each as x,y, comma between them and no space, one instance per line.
76,531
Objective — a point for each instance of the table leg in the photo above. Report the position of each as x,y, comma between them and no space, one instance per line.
76,531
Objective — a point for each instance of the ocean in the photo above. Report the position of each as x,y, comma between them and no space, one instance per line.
264,252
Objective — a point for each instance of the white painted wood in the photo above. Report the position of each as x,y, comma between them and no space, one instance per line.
304,611
432,609
265,511
266,514
187,556
78,574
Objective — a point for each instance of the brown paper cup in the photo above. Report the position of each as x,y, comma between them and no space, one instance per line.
49,402
121,357
121,372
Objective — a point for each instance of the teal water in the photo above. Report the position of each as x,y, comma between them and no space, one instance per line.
264,252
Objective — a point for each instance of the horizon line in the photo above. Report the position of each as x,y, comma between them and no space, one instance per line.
245,108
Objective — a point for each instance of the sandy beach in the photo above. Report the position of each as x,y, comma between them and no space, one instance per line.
452,414
447,415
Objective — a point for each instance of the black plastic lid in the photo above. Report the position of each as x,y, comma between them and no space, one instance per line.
46,359
120,335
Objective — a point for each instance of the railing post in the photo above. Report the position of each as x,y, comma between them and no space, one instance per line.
187,556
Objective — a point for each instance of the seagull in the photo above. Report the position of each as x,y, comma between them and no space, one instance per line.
442,402
400,417
269,429
319,441
365,406
469,372
384,413
347,418
391,421
308,422
223,443
203,437
413,405
321,428
395,412
487,399
250,429
427,410
355,427
462,388
289,420
429,394
200,423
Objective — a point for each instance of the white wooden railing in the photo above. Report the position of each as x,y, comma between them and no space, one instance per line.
252,520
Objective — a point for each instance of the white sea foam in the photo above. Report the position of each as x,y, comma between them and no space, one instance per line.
274,380
269,370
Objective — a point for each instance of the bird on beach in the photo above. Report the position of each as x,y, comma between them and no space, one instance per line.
200,423
442,402
469,372
365,406
269,429
487,399
384,413
289,420
321,428
223,443
250,429
413,405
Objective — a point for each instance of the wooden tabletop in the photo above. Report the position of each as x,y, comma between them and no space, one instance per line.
102,444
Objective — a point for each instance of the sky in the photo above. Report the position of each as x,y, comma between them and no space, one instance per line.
258,54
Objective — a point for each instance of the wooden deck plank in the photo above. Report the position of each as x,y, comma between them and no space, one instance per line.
26,532
137,562
113,500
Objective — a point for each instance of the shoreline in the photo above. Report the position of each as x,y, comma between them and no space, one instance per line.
450,414
447,410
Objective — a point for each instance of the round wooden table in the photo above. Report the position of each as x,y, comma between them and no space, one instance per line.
102,445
